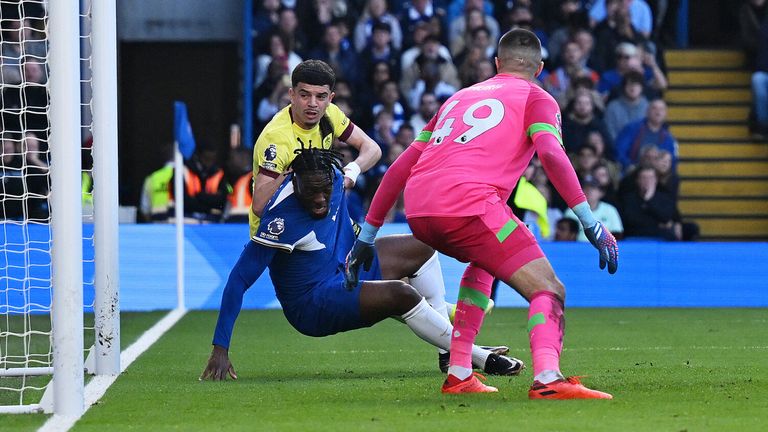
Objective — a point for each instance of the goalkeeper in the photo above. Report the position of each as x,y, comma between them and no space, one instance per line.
304,236
457,177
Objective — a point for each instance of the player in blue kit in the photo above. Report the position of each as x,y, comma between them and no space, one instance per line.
303,238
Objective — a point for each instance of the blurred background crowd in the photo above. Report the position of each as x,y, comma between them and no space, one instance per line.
396,62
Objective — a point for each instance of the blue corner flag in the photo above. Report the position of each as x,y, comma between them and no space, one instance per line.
182,130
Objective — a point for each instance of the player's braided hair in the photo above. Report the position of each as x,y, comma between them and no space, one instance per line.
316,159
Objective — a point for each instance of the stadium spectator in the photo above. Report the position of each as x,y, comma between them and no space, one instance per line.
239,176
579,121
606,213
457,8
604,175
649,211
638,10
288,27
428,106
22,43
566,229
760,86
265,18
316,15
390,101
585,160
476,165
652,130
431,56
430,80
156,200
629,107
668,177
479,39
558,82
376,12
281,56
384,130
419,11
422,32
277,99
205,188
312,119
311,204
461,28
633,58
567,20
379,49
610,32
24,185
341,57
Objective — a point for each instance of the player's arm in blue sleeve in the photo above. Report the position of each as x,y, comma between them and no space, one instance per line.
252,263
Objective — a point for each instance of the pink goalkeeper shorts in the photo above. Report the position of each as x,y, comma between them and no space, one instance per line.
496,241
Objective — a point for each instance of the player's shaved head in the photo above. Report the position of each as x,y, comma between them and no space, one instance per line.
519,51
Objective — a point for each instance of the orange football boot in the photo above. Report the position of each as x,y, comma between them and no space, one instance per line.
472,384
568,388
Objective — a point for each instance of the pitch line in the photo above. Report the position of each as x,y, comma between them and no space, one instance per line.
99,384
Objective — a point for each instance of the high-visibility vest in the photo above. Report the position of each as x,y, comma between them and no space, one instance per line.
158,188
241,195
194,186
529,198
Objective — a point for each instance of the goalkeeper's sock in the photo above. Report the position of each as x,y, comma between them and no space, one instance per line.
429,325
470,310
428,281
546,326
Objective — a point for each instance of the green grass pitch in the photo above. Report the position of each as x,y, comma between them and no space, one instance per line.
668,369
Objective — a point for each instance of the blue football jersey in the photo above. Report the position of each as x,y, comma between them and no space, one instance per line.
314,250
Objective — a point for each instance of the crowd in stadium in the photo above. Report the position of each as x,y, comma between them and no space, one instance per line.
396,62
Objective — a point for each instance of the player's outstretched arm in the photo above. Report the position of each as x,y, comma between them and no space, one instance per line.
560,171
219,366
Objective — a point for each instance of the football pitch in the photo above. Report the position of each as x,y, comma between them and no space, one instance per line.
668,369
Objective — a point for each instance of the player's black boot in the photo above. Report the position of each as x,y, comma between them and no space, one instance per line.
443,358
503,365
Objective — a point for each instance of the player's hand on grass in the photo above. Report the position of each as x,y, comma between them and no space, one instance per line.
360,255
605,242
218,366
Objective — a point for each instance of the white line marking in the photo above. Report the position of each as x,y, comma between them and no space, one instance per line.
99,384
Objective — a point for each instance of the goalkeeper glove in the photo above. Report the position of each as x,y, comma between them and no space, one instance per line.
360,255
605,243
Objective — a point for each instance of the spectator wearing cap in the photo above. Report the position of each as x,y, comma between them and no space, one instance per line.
629,107
604,212
376,11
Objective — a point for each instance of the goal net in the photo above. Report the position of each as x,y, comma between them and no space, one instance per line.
53,313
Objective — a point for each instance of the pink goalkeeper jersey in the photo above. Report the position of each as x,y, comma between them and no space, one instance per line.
480,144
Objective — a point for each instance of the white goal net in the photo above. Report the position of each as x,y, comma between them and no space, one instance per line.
47,198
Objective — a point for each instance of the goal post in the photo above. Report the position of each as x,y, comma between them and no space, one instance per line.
60,261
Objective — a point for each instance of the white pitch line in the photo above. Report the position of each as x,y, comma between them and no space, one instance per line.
99,384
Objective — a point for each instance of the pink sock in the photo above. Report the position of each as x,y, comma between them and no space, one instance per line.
475,288
546,326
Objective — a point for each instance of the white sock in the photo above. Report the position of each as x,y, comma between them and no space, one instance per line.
435,329
428,281
548,376
459,372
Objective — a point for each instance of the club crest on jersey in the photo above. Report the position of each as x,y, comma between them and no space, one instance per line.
274,229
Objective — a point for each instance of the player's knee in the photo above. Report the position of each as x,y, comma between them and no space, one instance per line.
554,286
402,297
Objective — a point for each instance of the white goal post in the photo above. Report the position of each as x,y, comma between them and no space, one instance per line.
42,258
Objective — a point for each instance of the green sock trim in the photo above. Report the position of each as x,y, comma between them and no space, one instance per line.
506,230
535,320
473,297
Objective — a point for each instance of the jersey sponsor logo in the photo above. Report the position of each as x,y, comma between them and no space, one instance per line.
270,153
274,229
344,121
